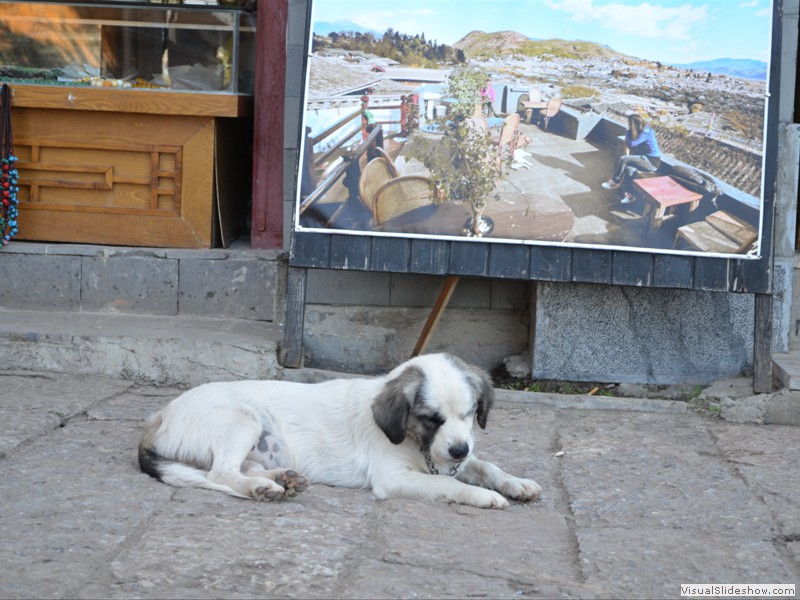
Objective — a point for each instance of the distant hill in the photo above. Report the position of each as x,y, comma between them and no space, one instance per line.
480,44
744,68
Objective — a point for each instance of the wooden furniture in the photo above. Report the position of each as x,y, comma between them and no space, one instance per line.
529,106
401,196
132,167
506,142
162,159
545,110
377,172
550,111
663,194
719,232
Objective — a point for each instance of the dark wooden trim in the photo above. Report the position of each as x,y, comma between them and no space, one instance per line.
762,344
291,350
267,203
530,263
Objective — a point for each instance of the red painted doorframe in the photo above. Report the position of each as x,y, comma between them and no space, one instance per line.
266,230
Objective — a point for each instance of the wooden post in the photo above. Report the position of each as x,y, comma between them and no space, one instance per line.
436,313
291,352
267,198
762,345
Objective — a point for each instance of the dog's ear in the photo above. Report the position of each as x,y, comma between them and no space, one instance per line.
484,391
392,405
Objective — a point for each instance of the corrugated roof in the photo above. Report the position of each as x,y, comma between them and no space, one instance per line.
330,77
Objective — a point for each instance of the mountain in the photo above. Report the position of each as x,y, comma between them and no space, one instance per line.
744,68
481,44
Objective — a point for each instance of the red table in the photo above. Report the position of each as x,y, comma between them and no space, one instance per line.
662,194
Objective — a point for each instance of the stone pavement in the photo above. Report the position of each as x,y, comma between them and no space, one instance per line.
641,501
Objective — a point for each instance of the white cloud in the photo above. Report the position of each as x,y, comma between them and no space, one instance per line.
752,4
405,21
644,19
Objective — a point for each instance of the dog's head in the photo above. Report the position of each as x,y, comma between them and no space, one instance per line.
435,400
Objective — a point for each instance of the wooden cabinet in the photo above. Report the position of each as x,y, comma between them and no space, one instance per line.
150,166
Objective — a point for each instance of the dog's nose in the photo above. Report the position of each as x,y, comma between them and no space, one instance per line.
459,451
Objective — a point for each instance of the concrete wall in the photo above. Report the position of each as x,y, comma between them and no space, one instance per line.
640,335
786,274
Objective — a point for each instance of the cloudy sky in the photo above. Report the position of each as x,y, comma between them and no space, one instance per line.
673,31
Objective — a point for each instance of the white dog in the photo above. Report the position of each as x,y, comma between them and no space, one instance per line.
520,159
406,434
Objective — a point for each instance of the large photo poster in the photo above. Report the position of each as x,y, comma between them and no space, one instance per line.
618,124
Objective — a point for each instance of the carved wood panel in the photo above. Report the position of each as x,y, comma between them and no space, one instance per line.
115,178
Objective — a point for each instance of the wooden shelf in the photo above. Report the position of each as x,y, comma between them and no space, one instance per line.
131,100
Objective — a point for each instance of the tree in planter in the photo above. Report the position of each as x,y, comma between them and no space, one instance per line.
464,165
464,86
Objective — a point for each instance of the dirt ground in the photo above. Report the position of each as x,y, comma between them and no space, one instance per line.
686,392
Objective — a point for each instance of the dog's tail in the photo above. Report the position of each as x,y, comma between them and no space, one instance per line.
172,472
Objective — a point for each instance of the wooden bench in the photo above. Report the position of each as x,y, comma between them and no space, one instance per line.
720,232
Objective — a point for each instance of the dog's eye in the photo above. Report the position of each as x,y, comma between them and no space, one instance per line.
431,420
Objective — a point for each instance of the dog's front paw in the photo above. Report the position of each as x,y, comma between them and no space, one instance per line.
483,498
292,482
523,490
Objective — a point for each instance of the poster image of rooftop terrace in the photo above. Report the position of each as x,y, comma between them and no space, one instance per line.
510,137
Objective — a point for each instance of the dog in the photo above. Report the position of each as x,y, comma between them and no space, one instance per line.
406,434
520,159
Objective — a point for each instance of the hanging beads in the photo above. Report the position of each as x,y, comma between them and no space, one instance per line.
9,189
9,177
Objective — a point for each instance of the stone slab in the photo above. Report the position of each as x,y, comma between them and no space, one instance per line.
164,350
634,504
129,284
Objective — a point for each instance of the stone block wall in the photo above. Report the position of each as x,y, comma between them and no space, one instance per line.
370,322
233,284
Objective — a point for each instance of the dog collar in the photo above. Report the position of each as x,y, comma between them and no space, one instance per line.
432,467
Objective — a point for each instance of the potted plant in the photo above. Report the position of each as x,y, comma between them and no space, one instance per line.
464,165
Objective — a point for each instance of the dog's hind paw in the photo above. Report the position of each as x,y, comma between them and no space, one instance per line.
268,493
292,482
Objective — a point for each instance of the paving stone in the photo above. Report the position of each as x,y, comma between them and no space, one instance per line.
33,404
638,503
765,457
642,470
652,562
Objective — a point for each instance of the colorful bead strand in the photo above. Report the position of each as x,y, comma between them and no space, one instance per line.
9,177
10,211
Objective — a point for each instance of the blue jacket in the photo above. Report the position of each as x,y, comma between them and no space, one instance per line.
645,144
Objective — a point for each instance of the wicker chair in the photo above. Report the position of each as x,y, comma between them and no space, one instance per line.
385,155
507,142
401,196
551,110
377,172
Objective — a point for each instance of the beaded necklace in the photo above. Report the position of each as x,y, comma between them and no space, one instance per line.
9,175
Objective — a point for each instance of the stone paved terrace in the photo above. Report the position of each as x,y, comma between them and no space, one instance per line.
560,174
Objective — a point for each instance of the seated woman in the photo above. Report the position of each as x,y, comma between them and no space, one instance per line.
641,154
